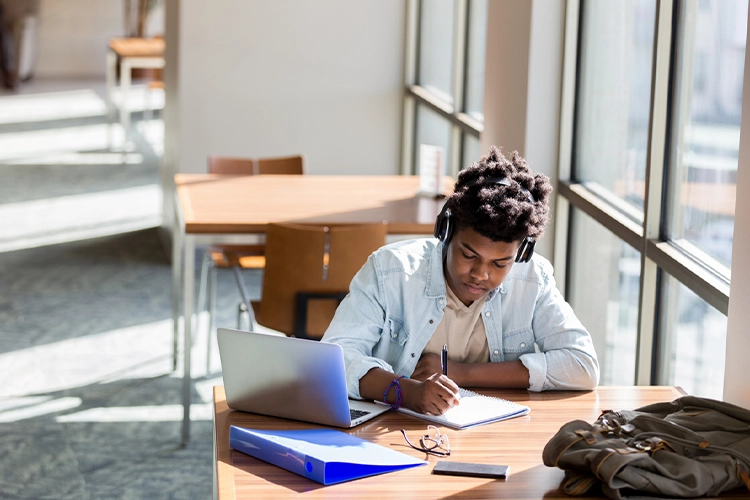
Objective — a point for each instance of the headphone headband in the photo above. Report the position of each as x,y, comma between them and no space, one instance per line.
444,225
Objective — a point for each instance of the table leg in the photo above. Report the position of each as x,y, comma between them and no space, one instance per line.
216,458
125,80
110,75
177,251
188,278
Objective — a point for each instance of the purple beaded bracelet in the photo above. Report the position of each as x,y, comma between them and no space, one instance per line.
399,395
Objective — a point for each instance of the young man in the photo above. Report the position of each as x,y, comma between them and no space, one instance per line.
477,288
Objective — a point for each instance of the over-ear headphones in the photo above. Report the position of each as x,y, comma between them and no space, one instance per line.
444,224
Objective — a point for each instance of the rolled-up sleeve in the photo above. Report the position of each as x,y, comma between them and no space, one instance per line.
358,325
566,358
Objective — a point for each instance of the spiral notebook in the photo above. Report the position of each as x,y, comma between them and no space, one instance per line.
474,409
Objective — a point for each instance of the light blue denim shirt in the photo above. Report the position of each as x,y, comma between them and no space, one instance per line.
396,302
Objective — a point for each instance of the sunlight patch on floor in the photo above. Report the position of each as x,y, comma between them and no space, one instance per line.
36,143
104,158
51,106
140,351
40,409
73,104
51,221
162,413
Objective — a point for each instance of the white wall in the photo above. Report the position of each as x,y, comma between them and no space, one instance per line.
259,78
523,82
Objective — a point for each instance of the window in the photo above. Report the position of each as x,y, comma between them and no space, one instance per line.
650,184
604,295
614,92
433,129
705,134
476,45
444,80
693,344
436,33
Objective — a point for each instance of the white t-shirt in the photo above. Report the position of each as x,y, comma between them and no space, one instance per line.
462,330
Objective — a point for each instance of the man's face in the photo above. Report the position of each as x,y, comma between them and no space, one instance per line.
475,264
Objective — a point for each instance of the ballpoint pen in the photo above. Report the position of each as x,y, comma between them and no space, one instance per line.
444,359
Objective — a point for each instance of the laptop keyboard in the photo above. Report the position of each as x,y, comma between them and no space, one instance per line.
355,414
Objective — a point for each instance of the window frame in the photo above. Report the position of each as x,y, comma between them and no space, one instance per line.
416,95
683,263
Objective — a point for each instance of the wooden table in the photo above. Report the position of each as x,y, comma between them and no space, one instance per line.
237,209
132,53
518,443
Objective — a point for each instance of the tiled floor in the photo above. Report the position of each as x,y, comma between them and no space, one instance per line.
89,404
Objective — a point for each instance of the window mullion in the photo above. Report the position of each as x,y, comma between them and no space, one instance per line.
459,53
411,65
459,78
561,205
408,135
653,203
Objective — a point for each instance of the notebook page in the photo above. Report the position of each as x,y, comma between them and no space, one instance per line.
474,409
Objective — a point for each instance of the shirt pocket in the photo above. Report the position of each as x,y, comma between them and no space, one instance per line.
518,342
395,332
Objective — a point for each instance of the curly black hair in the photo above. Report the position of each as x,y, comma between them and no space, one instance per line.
498,212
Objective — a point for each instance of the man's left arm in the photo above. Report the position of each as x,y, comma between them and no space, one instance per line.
566,359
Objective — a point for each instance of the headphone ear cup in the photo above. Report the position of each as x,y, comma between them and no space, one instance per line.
526,250
521,249
444,226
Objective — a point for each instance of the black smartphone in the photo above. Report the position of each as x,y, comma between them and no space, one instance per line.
470,469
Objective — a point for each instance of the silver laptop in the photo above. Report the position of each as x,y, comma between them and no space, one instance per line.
290,378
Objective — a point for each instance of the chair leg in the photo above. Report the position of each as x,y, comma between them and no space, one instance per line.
241,309
245,304
211,309
147,111
203,300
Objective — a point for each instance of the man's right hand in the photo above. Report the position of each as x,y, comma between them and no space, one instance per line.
435,395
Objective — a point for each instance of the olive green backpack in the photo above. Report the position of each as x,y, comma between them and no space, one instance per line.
688,448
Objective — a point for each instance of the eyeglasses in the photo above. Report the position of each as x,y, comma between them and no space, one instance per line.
433,442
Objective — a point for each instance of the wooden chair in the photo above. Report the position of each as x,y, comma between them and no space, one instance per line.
238,256
308,272
227,165
249,256
289,165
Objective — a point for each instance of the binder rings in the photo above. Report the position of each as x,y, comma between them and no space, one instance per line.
474,409
327,456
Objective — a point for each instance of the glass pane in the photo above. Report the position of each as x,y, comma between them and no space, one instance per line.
694,348
614,95
436,48
706,132
604,283
471,152
435,130
476,44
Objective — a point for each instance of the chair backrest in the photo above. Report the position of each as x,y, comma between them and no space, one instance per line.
307,258
231,166
288,165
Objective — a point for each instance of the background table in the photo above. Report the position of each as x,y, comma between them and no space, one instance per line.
132,53
237,209
517,442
